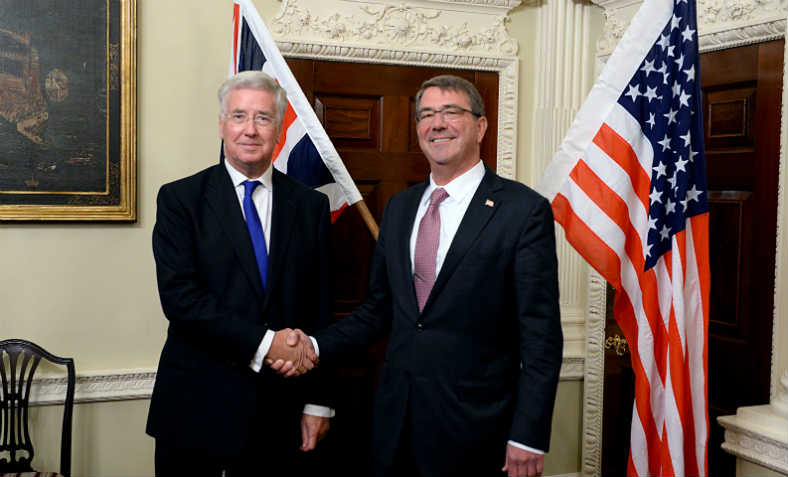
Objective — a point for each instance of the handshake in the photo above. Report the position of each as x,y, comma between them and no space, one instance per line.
291,353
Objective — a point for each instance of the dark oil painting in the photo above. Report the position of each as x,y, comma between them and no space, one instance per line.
59,102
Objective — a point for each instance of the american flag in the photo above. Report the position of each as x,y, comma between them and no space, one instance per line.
628,185
304,151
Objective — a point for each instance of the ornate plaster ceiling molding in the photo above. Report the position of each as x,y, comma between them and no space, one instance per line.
721,23
468,26
727,37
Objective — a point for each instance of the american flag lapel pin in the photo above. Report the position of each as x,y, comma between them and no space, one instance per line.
489,203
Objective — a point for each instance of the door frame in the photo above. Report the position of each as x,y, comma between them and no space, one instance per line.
376,49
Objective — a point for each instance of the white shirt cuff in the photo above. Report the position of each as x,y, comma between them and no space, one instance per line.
317,348
257,362
319,411
525,447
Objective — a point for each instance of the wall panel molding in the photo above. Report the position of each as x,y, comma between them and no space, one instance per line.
122,385
95,387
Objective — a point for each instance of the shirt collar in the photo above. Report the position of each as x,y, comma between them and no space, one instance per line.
460,186
238,177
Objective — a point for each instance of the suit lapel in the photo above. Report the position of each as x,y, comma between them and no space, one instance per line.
222,198
283,210
473,222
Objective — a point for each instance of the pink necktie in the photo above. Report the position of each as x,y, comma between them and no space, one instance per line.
427,248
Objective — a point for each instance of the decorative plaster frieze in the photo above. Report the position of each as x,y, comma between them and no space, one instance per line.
721,23
118,386
728,14
138,384
488,4
94,387
615,25
758,435
746,35
404,25
754,448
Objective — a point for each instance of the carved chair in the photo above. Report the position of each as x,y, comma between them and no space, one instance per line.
18,362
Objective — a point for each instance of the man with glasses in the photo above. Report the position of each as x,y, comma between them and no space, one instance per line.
464,277
241,256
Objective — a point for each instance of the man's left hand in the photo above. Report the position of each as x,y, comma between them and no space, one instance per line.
313,429
521,463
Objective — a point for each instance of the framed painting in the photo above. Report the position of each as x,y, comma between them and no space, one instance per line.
68,110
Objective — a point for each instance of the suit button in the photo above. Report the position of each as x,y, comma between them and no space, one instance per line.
420,326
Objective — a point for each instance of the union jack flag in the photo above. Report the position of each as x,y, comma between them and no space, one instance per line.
628,185
304,151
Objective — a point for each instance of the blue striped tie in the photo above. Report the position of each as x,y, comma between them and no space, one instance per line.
255,229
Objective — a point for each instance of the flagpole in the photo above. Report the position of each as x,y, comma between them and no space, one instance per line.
366,215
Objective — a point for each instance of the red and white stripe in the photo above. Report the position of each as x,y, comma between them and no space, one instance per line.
663,311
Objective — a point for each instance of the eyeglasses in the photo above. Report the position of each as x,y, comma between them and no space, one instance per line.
447,113
239,119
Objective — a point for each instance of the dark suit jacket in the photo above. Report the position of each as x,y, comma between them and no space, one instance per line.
206,397
480,364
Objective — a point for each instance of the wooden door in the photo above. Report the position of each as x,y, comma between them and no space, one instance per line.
741,100
741,97
367,111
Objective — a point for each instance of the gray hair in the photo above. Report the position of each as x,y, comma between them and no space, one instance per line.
254,79
454,83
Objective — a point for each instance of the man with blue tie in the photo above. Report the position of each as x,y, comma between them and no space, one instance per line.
241,256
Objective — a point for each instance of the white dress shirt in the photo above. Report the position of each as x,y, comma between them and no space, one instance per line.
263,200
461,190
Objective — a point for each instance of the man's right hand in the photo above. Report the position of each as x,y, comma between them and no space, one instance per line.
291,353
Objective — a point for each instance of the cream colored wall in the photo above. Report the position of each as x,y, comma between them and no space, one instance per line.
88,291
745,468
108,439
523,27
565,446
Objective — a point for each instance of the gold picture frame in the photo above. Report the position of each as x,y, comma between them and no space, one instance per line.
68,103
